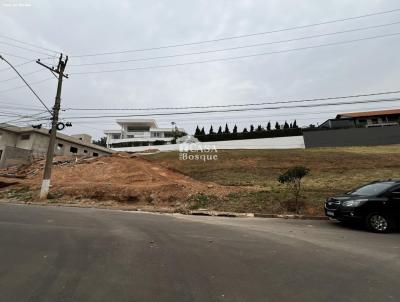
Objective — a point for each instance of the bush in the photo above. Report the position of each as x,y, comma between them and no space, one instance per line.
292,178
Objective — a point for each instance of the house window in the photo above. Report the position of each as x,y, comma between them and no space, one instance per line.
1,153
73,150
60,146
116,136
84,151
130,136
95,154
25,137
374,121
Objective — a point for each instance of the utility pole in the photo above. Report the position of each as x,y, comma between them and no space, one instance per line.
53,132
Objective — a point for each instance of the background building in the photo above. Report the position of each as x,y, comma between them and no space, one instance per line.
367,119
19,145
140,132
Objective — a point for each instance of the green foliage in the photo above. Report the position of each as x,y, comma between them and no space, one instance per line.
201,200
101,142
226,129
252,133
234,131
292,178
197,132
286,125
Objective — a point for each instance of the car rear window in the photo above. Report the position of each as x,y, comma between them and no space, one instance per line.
372,189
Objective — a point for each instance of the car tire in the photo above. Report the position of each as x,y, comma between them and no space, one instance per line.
379,223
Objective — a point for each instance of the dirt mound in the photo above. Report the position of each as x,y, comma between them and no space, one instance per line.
120,177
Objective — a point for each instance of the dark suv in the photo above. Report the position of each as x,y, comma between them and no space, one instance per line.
376,204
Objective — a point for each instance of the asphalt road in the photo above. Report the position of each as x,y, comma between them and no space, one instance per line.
70,254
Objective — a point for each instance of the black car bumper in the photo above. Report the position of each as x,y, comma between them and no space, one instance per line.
348,214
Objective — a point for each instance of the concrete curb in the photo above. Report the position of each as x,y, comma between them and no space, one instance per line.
288,216
170,211
258,215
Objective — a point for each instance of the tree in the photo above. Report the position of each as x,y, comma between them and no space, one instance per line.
292,178
202,132
220,130
286,125
226,129
245,130
259,128
251,128
295,124
234,131
197,132
290,125
101,142
211,131
277,126
269,126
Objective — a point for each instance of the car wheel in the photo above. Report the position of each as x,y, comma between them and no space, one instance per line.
379,223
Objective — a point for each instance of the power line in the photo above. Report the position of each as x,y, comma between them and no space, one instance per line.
19,87
29,44
241,36
236,57
15,56
25,74
26,83
237,47
17,65
24,48
236,105
234,110
235,118
20,119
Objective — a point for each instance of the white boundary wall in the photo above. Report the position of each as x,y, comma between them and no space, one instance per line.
288,142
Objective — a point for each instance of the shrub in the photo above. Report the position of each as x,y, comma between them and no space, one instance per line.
292,178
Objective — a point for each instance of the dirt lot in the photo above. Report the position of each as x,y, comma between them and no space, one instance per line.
239,180
333,170
120,178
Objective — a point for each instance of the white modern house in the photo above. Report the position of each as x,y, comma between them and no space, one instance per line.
140,132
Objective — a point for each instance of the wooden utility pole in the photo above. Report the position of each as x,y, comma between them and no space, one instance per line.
53,132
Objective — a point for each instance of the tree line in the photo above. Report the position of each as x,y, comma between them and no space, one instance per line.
287,129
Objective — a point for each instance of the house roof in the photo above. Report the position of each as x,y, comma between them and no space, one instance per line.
43,131
368,113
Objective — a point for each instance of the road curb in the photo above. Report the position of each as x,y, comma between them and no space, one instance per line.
171,211
257,215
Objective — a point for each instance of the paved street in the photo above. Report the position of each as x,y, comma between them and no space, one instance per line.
69,254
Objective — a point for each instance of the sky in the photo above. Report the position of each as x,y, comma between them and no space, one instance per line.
85,27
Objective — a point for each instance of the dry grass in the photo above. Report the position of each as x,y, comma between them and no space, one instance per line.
333,171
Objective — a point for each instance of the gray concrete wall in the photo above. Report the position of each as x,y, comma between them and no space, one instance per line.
12,156
352,137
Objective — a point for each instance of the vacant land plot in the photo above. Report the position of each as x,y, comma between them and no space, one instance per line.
239,180
333,171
